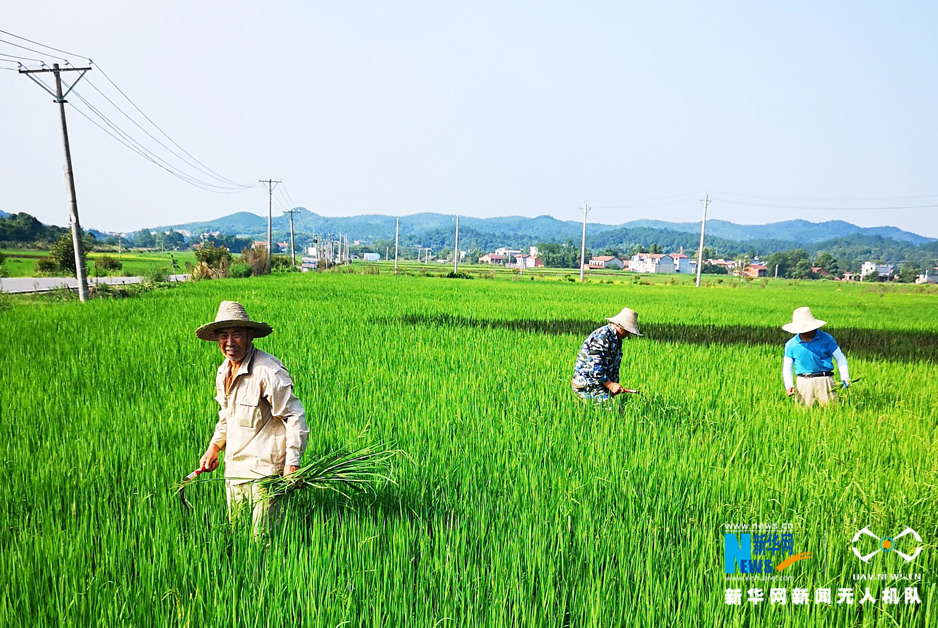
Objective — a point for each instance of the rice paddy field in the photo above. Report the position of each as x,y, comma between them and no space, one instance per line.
515,504
22,262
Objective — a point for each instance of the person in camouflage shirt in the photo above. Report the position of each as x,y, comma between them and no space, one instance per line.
596,373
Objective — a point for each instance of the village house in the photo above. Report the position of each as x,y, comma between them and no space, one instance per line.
754,271
651,263
606,261
848,276
507,252
818,271
681,263
884,271
529,261
492,258
929,276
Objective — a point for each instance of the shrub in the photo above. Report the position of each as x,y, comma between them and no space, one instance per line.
107,263
239,270
256,258
213,262
281,264
46,266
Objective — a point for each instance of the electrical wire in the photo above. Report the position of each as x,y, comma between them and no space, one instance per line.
38,52
43,45
220,177
129,142
826,200
171,151
829,209
19,58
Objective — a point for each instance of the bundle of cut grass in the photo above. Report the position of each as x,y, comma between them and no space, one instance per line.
344,471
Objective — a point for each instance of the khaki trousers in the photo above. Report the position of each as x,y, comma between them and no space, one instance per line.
819,389
266,512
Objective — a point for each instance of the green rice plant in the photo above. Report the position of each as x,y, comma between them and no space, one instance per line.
521,507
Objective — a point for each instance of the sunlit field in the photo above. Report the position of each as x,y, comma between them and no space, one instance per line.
515,504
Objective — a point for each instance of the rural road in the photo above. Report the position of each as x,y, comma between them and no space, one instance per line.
20,285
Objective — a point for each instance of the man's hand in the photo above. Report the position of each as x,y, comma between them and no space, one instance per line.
290,469
209,460
791,391
614,388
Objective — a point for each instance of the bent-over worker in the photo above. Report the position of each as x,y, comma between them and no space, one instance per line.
261,425
811,353
596,373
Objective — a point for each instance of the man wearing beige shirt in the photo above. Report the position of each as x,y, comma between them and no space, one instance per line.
261,425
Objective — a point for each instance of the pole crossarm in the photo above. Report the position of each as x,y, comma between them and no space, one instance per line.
56,71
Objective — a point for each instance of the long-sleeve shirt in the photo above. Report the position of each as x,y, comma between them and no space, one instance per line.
261,424
599,359
814,356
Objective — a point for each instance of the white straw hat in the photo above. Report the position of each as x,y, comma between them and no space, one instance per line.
232,314
626,319
802,321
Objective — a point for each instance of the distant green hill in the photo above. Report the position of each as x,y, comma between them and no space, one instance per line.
800,231
369,228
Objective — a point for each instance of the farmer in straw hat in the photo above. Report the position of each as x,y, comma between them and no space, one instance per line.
596,374
261,425
811,352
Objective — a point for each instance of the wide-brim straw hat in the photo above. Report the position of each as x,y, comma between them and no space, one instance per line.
802,321
232,314
628,320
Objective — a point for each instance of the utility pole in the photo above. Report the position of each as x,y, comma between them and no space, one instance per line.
703,226
776,271
81,273
397,231
292,241
119,258
586,210
270,199
456,248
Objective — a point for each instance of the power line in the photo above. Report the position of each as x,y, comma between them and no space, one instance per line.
104,74
830,209
38,52
150,135
129,142
19,58
43,45
828,200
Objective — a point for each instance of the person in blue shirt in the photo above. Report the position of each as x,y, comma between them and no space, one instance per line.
596,372
811,354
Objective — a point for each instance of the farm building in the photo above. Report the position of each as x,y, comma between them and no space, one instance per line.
492,258
651,263
371,257
755,270
681,263
606,261
818,271
929,276
884,271
530,261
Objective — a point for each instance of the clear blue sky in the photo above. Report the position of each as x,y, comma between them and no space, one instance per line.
488,109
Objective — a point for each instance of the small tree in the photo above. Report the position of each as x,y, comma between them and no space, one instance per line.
212,261
63,254
908,273
873,276
256,258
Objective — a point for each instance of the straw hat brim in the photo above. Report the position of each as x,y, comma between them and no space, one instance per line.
632,329
803,327
209,331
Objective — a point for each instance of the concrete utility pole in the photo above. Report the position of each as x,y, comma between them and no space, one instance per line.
292,241
81,273
397,230
586,210
703,226
456,248
270,199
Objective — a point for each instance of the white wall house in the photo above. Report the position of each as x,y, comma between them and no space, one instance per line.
606,261
681,263
929,276
651,263
883,270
